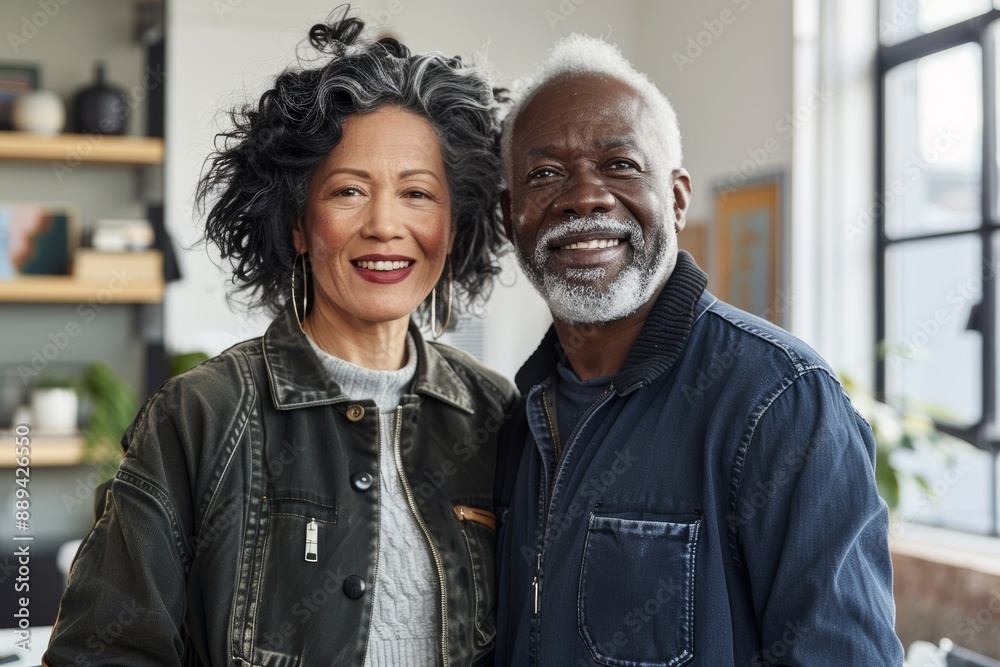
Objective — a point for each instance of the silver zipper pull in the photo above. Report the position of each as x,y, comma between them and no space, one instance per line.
534,582
312,541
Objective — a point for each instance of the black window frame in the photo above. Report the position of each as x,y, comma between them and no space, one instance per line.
984,435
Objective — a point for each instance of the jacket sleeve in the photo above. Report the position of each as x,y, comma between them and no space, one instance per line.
813,532
125,600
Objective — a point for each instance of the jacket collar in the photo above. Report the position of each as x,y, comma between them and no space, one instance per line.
666,330
298,380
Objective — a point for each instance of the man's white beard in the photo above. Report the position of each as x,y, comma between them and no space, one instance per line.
582,302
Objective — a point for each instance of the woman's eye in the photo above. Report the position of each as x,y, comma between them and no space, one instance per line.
417,194
349,192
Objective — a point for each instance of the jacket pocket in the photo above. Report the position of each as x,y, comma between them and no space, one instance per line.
292,595
636,596
478,528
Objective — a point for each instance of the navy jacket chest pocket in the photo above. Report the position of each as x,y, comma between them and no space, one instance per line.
636,594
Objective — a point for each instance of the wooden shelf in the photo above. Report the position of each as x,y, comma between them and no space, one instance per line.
46,450
67,289
70,148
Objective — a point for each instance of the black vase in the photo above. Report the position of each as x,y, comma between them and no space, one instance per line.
100,108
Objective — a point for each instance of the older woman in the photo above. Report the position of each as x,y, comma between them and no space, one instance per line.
321,495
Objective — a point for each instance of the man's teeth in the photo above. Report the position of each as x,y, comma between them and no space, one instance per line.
382,266
596,243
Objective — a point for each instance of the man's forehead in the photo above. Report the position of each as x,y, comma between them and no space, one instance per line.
605,111
599,92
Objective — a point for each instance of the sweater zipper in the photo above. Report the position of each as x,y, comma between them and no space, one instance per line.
536,582
378,540
427,534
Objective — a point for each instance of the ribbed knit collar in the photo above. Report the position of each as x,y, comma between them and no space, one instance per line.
659,345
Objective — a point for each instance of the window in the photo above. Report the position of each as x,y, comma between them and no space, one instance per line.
939,231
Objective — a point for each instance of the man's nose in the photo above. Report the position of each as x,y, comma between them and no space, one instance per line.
586,194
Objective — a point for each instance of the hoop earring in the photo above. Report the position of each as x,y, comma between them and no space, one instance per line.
451,285
305,290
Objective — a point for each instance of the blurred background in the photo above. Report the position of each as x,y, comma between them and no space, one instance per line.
844,162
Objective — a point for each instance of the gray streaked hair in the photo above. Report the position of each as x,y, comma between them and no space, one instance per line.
256,181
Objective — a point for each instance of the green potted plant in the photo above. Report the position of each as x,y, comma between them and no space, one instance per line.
113,406
895,430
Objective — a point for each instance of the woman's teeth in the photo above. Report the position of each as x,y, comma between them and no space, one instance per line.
596,243
382,266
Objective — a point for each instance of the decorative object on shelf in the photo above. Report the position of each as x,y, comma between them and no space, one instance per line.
54,405
39,112
122,235
749,239
101,108
41,237
15,80
112,407
141,266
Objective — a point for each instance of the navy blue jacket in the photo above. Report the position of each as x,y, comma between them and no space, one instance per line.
715,506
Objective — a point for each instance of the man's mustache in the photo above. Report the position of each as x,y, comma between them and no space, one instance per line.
595,223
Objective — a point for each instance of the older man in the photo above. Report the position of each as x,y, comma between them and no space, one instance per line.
682,483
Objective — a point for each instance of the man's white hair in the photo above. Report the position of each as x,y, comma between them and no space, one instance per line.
581,54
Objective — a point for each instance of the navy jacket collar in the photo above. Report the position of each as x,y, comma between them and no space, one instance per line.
659,344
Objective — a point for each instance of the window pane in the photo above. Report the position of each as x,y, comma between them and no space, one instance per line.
932,361
902,19
960,490
933,143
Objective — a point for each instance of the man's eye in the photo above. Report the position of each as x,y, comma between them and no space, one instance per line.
621,164
543,172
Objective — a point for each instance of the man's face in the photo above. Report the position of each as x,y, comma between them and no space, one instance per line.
592,207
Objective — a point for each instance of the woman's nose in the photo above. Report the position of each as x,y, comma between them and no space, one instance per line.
383,219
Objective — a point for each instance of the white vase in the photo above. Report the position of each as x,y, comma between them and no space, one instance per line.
54,409
40,112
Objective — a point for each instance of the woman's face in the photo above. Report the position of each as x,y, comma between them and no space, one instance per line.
377,223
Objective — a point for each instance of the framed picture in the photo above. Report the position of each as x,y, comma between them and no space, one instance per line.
749,243
37,238
15,78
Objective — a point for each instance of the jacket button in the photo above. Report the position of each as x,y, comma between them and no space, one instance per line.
361,481
355,413
354,587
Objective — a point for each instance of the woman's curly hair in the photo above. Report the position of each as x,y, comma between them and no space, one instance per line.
256,180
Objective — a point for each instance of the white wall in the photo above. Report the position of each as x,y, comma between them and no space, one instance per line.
223,51
726,66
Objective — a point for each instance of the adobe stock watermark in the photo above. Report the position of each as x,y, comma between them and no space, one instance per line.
958,297
773,654
31,25
593,488
57,341
913,170
562,12
757,497
697,44
971,625
923,503
785,128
